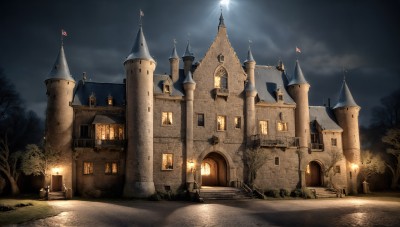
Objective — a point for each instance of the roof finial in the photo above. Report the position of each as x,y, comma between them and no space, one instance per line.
63,33
344,71
141,14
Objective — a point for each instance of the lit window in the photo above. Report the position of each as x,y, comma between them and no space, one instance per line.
111,168
263,127
87,168
221,78
110,100
109,132
221,123
167,162
166,118
308,171
92,100
238,122
277,161
167,88
334,142
205,169
282,126
200,119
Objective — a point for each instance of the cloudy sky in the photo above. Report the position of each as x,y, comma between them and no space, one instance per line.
361,35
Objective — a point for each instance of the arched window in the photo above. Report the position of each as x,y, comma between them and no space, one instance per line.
221,78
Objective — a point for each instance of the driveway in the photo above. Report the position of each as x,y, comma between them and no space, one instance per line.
349,211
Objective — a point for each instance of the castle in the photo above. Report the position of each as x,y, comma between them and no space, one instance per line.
158,132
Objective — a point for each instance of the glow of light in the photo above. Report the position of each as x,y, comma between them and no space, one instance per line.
224,3
56,170
354,166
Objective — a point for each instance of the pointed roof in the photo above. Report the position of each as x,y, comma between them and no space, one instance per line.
221,21
60,69
189,78
298,77
249,56
174,54
188,51
140,49
345,98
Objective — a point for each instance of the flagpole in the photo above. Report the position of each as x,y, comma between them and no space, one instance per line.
62,38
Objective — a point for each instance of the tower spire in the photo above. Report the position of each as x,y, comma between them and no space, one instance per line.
298,76
60,68
345,98
140,49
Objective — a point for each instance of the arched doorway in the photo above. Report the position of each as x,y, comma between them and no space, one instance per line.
214,170
313,174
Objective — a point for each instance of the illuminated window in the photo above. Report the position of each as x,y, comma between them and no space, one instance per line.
166,118
221,78
200,119
205,169
111,168
92,100
221,123
167,162
110,100
263,127
109,132
87,168
238,122
308,171
334,142
282,126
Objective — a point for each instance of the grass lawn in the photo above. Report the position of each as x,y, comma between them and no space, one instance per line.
39,209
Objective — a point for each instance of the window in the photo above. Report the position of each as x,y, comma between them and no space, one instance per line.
263,127
109,132
167,88
111,168
200,119
92,100
166,118
221,123
110,100
221,78
334,142
167,162
282,126
277,161
84,131
205,169
280,97
337,169
238,122
87,168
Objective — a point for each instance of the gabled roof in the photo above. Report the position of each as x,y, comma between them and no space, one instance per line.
60,68
177,88
140,49
267,80
345,98
101,91
298,77
324,117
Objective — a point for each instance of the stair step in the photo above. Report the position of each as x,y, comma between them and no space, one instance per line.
222,193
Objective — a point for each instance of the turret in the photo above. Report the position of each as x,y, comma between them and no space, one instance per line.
346,111
174,65
188,58
139,68
298,88
251,93
59,115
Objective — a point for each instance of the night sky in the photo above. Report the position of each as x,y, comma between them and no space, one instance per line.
362,36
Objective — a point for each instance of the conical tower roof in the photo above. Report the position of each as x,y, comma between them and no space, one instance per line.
345,98
249,56
298,77
221,21
140,49
174,54
60,69
188,51
189,79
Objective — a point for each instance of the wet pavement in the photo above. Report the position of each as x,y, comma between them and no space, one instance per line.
349,211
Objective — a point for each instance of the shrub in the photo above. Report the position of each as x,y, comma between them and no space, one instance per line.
284,192
308,194
272,193
297,193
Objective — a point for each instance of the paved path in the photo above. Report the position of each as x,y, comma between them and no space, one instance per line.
322,212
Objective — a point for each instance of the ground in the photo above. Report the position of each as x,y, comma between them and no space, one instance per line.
349,211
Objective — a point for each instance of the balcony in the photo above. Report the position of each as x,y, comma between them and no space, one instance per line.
222,92
92,143
316,146
275,141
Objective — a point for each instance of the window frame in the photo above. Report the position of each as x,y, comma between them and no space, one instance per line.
169,116
222,76
260,131
87,170
111,168
238,122
334,142
224,123
203,122
277,161
166,162
285,126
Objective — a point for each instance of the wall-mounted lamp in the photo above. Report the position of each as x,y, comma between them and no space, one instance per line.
354,167
56,170
191,165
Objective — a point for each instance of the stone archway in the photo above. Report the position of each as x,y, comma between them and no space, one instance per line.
314,176
214,170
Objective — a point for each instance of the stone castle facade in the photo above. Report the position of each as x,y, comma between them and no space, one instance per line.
165,132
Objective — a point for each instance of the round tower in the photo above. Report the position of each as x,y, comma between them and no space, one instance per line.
174,65
346,112
59,115
188,58
139,68
251,93
298,89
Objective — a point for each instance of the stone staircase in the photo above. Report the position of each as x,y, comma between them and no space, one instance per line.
56,195
223,193
322,192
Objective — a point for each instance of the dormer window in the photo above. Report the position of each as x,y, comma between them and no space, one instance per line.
110,100
279,95
92,100
166,87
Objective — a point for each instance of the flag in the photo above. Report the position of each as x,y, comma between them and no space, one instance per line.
141,13
63,32
298,50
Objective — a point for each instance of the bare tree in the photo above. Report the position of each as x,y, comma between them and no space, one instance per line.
371,164
334,157
254,159
8,164
392,138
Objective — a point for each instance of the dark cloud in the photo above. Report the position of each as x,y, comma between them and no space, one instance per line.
362,36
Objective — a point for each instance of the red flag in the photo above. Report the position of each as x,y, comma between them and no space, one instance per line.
298,50
63,32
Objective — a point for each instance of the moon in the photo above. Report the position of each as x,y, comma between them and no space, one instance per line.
224,3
